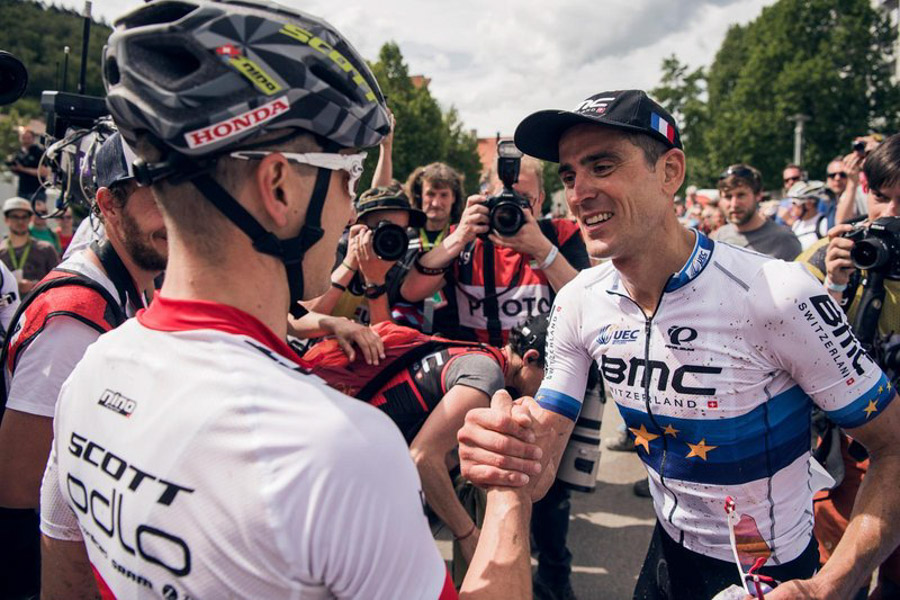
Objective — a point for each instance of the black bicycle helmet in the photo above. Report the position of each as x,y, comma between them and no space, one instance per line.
204,76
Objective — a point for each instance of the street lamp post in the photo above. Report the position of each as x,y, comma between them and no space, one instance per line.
799,120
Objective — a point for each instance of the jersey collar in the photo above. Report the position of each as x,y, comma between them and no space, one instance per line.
703,247
169,314
696,262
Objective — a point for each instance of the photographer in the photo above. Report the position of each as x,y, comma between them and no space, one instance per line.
834,262
24,163
498,281
368,255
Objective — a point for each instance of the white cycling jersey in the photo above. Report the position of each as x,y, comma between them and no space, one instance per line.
717,386
196,460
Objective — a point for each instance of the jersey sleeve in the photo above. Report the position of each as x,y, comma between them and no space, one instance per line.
475,371
568,362
58,520
800,329
46,363
367,534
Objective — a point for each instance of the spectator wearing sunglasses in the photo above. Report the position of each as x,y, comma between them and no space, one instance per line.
740,191
791,175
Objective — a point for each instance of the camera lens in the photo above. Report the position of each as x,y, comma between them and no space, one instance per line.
390,241
870,253
507,218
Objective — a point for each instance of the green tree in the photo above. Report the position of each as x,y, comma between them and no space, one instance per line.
424,133
829,59
36,34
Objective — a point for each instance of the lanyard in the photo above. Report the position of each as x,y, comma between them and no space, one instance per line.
20,263
426,245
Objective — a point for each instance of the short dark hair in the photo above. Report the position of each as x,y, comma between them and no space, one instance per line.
882,166
530,335
650,146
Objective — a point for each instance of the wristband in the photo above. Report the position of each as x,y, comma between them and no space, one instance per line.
346,266
835,287
551,256
375,291
428,270
338,286
462,537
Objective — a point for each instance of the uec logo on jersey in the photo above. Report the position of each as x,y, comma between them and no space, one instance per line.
612,334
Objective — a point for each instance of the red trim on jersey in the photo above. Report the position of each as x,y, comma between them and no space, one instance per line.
105,592
169,314
448,592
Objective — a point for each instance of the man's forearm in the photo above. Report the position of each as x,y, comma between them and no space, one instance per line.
417,286
439,493
559,273
872,534
846,206
501,567
379,311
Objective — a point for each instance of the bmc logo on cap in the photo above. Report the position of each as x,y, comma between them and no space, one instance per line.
234,125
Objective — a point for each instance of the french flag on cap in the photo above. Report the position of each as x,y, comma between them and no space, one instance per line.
662,126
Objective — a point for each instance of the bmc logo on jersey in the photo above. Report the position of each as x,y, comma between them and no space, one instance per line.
234,125
610,334
117,403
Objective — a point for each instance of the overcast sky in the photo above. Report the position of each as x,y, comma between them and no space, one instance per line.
500,60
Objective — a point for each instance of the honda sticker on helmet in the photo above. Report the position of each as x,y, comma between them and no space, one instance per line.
234,125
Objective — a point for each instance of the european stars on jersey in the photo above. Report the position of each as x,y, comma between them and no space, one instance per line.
716,387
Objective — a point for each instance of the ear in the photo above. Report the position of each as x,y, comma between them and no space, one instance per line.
673,170
107,204
272,179
532,357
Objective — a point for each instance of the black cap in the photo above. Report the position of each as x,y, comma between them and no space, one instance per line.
113,161
388,197
631,110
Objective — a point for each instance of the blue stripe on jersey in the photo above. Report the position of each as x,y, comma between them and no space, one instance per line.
726,451
698,260
866,407
559,403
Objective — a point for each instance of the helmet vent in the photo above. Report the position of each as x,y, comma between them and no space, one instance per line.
156,13
166,63
342,85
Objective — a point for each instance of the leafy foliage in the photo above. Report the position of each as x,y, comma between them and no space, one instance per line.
424,133
829,59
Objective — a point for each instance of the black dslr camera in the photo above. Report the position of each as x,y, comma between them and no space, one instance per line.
507,215
389,241
876,247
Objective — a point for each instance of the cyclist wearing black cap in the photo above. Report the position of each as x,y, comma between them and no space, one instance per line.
89,293
714,356
251,478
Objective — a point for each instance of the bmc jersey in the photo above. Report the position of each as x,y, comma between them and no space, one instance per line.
197,460
716,388
496,288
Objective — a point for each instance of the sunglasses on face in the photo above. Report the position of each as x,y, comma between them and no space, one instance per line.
791,179
351,163
18,217
738,171
837,176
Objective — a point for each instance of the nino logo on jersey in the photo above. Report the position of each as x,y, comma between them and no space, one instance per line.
611,334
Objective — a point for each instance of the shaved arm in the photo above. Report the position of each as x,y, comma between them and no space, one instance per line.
24,446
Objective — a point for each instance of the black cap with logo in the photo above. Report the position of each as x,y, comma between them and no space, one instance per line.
631,110
389,197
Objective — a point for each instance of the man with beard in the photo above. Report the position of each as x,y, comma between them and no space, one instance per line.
88,294
740,191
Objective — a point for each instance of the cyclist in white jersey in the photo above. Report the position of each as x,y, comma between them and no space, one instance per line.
194,456
714,356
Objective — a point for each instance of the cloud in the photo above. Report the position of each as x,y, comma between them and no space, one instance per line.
499,61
